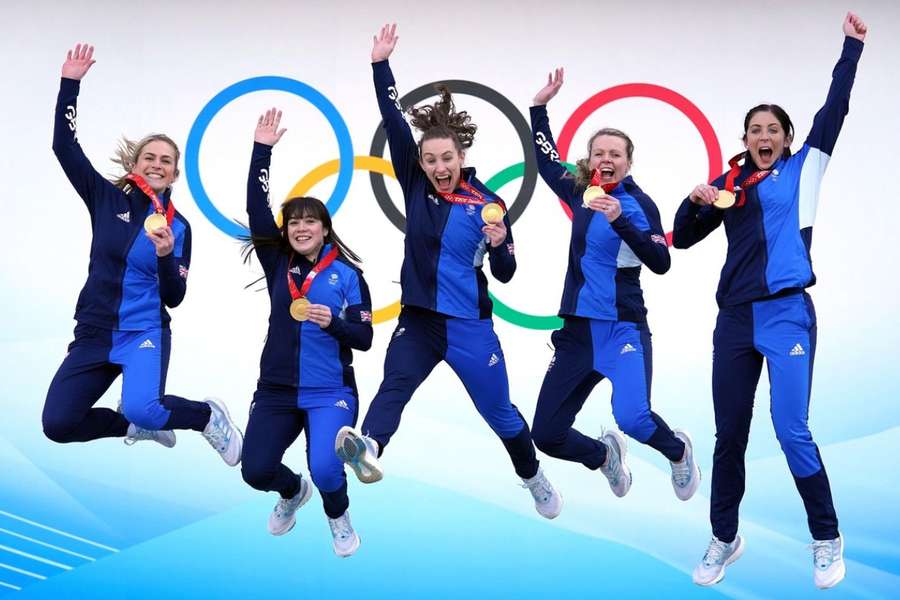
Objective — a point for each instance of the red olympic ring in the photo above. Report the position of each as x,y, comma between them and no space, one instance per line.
643,90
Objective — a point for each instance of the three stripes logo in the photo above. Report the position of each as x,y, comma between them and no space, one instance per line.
627,348
797,350
146,344
494,360
125,216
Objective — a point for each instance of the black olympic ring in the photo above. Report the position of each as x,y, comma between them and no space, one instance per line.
498,101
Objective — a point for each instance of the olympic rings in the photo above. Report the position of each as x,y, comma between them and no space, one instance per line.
642,90
232,92
364,163
471,88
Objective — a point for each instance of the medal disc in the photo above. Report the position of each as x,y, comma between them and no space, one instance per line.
491,213
725,199
593,191
155,221
299,309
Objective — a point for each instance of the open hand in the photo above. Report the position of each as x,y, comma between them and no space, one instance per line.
78,62
554,82
267,131
384,43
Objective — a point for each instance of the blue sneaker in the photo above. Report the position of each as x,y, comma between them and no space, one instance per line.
685,474
718,555
360,453
616,471
828,560
284,515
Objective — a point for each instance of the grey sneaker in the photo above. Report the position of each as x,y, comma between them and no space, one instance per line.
222,434
547,501
360,453
615,469
344,538
718,555
828,562
136,434
685,474
284,515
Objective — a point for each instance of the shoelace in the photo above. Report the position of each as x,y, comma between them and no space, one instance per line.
823,553
216,434
613,468
715,553
283,507
540,489
139,434
340,528
681,473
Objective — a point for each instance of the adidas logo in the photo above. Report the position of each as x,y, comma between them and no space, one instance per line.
296,271
125,216
400,332
552,362
797,350
494,360
342,404
146,344
628,348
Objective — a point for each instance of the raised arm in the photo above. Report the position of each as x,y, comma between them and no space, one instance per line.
404,152
262,223
87,182
552,171
828,121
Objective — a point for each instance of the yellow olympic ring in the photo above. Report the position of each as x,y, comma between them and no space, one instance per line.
360,163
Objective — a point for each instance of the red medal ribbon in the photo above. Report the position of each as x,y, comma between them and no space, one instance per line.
476,197
607,187
317,268
157,205
751,180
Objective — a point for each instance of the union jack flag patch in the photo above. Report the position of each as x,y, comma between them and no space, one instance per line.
511,248
183,271
659,239
365,316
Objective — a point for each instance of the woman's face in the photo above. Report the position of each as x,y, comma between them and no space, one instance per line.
442,163
306,235
157,164
765,139
609,153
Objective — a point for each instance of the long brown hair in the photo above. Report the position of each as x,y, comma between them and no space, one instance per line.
441,121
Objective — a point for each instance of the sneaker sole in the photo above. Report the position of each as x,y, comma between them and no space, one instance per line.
351,551
695,476
239,435
734,556
623,451
842,572
303,501
351,449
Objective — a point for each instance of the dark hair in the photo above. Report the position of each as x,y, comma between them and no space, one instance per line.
441,121
298,208
583,171
782,117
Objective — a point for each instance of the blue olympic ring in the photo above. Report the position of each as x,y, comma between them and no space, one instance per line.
232,92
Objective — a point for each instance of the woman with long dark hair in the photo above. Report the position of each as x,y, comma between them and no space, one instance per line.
320,312
140,255
452,223
768,205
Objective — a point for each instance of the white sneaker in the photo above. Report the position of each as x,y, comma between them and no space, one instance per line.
360,453
615,469
344,539
828,561
136,434
685,474
718,555
284,515
222,434
547,501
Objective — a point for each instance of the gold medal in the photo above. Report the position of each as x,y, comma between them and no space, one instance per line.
725,200
593,191
300,309
155,221
492,213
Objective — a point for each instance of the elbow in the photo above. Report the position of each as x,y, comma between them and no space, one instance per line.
678,241
662,266
174,301
365,342
505,275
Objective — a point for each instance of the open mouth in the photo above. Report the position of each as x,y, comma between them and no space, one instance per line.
607,173
766,153
443,181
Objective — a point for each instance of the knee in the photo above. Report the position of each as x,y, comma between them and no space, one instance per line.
59,427
547,438
327,476
635,425
257,475
145,416
793,435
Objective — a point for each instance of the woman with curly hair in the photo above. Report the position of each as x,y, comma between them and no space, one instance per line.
453,221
